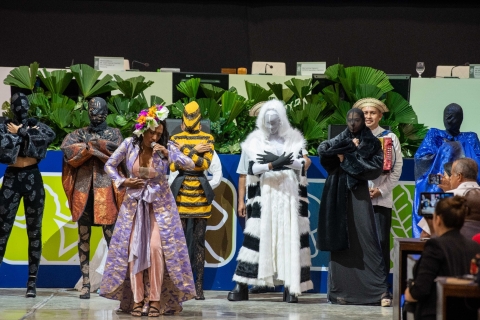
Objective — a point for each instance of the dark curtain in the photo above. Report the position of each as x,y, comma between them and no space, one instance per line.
207,36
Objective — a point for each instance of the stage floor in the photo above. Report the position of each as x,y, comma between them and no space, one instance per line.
65,304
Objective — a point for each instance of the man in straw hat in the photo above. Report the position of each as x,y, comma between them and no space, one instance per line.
382,187
191,189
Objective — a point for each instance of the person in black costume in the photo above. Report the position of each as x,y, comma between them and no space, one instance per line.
24,143
346,225
449,254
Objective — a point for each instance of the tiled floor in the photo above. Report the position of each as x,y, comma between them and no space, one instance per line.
65,304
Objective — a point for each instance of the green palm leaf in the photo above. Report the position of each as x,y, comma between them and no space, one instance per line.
210,109
296,117
232,105
339,116
87,79
312,130
61,116
130,87
300,87
80,119
331,95
212,91
284,94
257,93
189,87
332,72
313,110
156,100
61,101
55,81
399,109
177,109
118,104
351,77
367,91
23,77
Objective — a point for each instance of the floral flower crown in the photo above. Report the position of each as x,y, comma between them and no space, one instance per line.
150,118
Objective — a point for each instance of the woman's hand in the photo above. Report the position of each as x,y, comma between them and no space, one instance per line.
356,142
161,149
12,128
203,147
341,157
134,183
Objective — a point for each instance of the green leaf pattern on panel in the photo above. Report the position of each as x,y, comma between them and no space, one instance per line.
401,213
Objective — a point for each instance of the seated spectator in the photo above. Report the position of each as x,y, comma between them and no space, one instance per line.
471,226
463,178
449,254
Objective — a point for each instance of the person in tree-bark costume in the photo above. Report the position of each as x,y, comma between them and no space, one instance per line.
92,197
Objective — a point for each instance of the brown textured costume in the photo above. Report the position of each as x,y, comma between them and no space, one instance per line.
92,197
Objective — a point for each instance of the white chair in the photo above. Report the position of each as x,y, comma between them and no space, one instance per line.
462,72
273,68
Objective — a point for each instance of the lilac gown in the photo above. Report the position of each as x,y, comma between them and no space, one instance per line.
178,285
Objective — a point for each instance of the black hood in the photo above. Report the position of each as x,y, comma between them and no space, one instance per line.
453,118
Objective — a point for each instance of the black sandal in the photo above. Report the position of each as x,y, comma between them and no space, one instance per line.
153,312
137,311
85,292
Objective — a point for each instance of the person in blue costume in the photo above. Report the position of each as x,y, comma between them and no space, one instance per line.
438,148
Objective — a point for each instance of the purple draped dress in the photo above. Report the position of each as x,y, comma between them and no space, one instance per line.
178,285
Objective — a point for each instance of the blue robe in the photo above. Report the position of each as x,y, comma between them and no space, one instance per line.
438,148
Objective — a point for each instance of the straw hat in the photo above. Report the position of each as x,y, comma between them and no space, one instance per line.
371,102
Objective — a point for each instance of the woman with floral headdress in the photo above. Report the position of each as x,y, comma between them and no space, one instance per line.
148,258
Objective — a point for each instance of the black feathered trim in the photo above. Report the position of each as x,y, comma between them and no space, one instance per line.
305,240
247,270
251,242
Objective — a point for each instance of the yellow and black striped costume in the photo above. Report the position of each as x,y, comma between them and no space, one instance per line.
191,199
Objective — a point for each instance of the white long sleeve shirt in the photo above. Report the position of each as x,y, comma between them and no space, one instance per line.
386,182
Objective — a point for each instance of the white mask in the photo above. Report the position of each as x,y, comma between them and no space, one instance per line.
272,121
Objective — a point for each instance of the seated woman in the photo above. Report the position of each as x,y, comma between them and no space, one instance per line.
447,255
148,257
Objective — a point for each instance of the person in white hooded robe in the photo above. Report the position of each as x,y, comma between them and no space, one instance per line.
276,237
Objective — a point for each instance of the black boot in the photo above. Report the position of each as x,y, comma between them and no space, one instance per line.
289,298
239,293
31,288
257,289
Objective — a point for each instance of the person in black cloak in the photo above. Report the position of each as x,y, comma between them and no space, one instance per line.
24,142
346,225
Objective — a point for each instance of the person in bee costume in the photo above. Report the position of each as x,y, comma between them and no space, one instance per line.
192,192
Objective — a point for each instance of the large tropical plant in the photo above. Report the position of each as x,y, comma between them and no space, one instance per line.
353,83
48,102
125,106
227,111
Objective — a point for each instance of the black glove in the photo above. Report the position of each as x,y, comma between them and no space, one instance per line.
266,158
283,160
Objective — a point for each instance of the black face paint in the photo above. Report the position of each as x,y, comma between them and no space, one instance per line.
97,111
355,120
453,118
19,106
